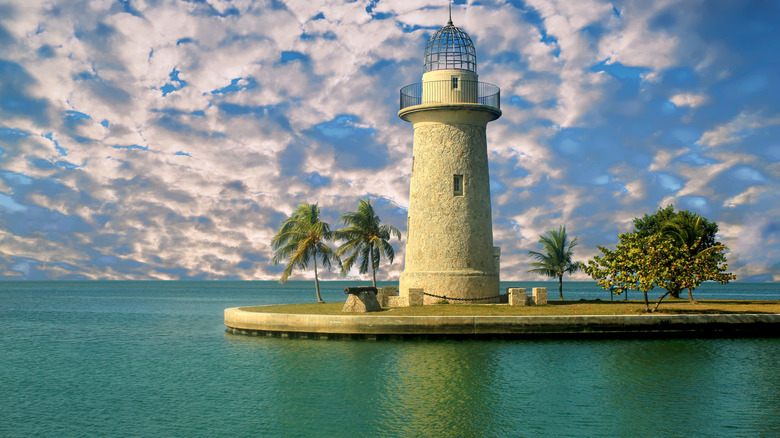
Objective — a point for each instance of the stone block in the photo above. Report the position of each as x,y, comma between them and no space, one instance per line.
415,297
384,293
361,303
397,301
517,296
540,295
388,291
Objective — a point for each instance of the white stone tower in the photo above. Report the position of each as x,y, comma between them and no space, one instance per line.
449,242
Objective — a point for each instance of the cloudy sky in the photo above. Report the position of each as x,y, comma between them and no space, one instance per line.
168,139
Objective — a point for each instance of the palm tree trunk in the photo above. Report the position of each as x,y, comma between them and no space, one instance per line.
560,286
317,280
371,258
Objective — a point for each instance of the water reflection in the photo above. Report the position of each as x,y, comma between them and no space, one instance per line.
441,388
508,388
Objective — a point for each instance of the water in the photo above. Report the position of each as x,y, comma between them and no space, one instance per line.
153,359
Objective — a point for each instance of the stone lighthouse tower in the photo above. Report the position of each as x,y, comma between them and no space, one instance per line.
449,249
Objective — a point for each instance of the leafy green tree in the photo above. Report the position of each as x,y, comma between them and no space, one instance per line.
624,268
301,238
688,230
366,239
555,258
643,262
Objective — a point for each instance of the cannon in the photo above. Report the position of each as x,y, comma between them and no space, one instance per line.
358,290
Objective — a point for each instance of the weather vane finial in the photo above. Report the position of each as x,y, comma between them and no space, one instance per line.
450,22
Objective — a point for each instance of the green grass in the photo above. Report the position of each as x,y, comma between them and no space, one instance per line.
669,306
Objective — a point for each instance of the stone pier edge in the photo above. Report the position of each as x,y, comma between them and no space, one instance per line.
380,326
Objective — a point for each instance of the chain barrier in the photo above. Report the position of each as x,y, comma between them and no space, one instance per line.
445,297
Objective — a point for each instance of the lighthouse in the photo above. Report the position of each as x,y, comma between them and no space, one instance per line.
449,242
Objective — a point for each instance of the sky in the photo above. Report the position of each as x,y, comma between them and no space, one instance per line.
169,139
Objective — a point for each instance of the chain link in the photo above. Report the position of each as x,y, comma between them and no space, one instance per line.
445,297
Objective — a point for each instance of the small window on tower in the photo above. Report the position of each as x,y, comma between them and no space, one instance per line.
457,185
454,82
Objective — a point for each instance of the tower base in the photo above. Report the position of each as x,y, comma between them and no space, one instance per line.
456,287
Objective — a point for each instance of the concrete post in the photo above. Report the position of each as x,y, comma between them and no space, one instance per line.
415,297
517,296
540,295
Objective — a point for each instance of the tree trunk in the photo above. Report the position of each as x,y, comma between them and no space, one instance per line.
560,286
371,258
317,280
647,305
690,295
659,301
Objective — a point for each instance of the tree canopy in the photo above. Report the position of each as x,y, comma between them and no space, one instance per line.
301,238
366,240
555,258
671,250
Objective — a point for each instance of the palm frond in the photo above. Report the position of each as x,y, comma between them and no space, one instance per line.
364,239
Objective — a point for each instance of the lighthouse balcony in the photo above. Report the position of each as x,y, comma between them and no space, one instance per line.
452,91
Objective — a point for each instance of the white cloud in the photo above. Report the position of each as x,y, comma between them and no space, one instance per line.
202,212
688,99
736,129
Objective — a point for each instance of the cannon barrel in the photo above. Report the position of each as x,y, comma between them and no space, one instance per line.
359,289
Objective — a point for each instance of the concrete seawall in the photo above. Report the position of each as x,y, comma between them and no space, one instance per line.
373,326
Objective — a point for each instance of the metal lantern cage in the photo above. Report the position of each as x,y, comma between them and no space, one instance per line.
450,48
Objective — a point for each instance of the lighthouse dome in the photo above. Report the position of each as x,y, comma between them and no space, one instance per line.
450,48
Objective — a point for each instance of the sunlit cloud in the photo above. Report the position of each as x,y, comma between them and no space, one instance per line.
170,139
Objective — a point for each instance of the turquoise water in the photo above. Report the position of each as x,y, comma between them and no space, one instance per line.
153,359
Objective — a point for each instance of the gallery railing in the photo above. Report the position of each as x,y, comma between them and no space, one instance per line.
450,91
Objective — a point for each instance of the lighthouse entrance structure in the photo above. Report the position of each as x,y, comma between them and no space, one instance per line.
449,249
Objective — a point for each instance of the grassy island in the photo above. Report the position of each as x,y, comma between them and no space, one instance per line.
553,308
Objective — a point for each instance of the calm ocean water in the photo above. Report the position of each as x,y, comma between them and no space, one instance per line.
153,359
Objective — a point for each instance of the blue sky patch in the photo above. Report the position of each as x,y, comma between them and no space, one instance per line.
696,160
316,180
128,8
46,51
237,84
76,115
131,147
290,55
353,146
9,204
14,81
619,70
59,148
12,135
520,102
174,85
669,183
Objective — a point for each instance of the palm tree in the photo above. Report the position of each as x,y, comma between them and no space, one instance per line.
693,233
300,239
688,231
366,239
556,259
